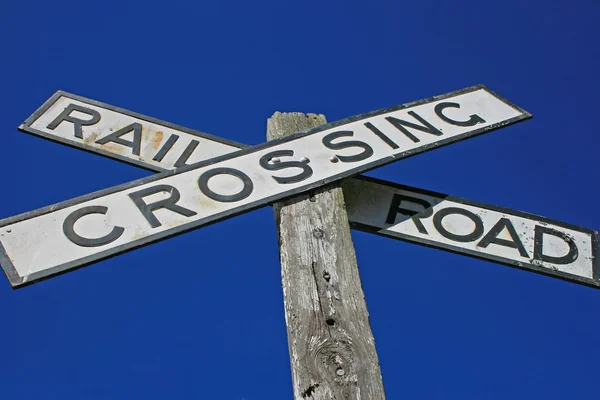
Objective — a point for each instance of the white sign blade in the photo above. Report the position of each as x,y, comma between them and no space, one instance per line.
70,234
124,135
479,230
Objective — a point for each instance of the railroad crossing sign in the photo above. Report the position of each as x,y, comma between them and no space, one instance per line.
416,215
212,179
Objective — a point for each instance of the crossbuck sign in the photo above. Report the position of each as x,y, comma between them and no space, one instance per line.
208,179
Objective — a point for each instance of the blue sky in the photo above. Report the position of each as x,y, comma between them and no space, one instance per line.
201,315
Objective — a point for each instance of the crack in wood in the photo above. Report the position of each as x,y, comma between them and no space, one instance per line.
310,390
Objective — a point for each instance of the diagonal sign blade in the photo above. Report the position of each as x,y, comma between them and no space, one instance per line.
487,232
86,229
484,231
122,134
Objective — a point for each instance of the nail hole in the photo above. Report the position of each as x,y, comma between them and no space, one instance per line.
330,321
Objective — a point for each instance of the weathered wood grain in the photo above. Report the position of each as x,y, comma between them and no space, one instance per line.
332,350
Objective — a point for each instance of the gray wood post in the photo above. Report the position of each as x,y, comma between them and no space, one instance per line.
332,350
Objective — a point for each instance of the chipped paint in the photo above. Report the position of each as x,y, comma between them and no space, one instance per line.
157,140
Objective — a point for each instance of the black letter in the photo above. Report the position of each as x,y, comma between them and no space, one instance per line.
241,195
381,135
414,215
538,250
474,119
400,124
69,232
181,161
165,149
77,123
492,237
116,137
476,234
306,170
368,150
168,203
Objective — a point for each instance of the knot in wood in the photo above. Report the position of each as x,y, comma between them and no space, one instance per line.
318,233
334,360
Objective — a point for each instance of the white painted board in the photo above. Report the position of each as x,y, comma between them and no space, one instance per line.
86,229
127,136
479,230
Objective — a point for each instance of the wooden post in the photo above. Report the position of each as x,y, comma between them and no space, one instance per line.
332,350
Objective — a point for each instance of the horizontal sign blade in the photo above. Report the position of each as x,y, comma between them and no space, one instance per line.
479,230
77,232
